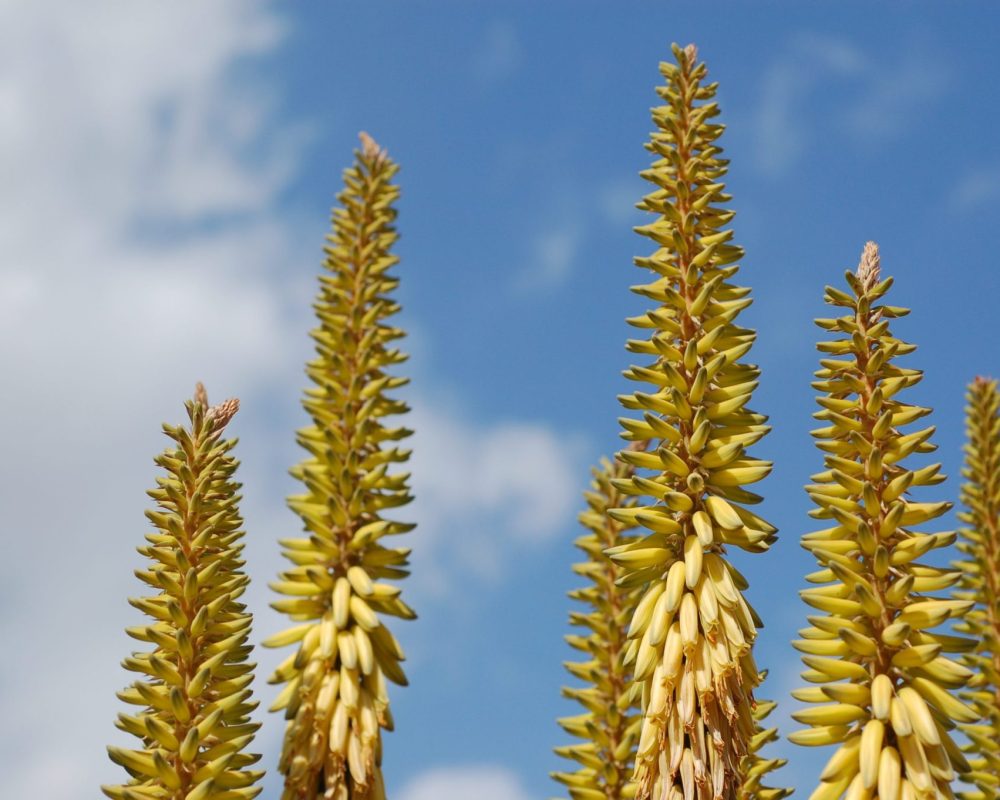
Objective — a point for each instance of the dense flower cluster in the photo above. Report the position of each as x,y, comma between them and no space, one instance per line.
193,696
981,584
692,631
609,723
335,696
882,673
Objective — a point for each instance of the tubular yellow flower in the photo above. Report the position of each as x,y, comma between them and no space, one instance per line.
609,724
892,716
194,693
335,697
692,631
981,584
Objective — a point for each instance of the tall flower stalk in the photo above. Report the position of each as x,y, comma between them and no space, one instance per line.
882,675
692,630
335,697
981,584
193,694
609,723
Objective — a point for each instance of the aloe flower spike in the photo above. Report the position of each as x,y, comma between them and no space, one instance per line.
193,698
980,543
692,631
335,695
608,725
880,673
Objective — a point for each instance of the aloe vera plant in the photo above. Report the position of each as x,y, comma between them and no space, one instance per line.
609,723
692,631
882,673
193,697
335,696
980,584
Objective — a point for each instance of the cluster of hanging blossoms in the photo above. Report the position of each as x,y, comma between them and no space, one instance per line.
981,584
609,724
194,691
883,675
692,630
335,696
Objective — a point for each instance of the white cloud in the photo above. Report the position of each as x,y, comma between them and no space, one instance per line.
482,782
100,120
485,492
884,96
124,131
142,248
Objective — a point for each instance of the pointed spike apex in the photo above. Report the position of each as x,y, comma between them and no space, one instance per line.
691,53
200,395
220,415
869,266
370,148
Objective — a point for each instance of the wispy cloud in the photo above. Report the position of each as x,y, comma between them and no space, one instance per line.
779,139
808,61
550,261
482,782
895,94
617,201
975,188
835,55
499,54
876,97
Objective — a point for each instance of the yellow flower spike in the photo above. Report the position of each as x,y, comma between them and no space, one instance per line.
980,543
754,767
893,714
194,689
701,735
334,697
609,724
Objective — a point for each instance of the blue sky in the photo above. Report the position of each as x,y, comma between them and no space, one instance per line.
171,171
